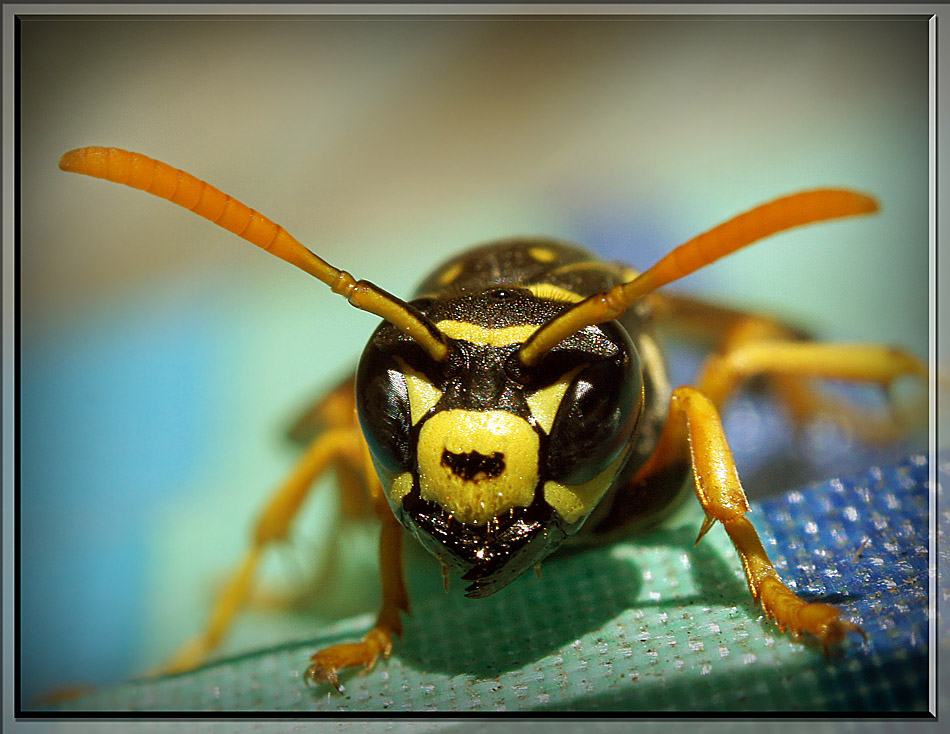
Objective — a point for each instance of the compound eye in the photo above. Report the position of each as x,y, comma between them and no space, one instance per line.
594,421
382,403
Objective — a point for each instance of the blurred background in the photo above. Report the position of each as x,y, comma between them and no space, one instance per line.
161,357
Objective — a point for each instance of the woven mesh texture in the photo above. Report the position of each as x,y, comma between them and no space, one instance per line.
650,624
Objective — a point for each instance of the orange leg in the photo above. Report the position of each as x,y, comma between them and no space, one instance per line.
326,664
337,409
747,346
857,362
272,526
694,423
789,366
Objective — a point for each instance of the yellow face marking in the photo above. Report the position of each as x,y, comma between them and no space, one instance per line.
423,395
542,254
545,402
451,274
553,292
488,337
477,499
574,501
401,486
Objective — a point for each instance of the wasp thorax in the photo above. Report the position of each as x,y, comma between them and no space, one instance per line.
477,465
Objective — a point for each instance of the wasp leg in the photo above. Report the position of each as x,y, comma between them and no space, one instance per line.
790,364
717,327
326,664
335,409
272,525
743,345
694,422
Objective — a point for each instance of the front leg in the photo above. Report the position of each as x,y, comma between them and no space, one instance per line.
326,664
694,423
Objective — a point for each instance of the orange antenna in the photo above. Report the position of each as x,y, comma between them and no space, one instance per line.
764,220
141,172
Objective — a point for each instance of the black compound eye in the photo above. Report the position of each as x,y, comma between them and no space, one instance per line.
382,403
594,421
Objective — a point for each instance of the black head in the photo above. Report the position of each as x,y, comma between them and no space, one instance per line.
490,463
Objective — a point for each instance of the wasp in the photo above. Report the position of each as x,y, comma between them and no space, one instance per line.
520,401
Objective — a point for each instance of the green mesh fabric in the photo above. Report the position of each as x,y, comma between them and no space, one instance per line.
647,625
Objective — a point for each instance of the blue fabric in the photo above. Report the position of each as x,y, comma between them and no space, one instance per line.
883,585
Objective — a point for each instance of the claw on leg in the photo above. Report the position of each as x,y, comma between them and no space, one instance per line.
789,611
708,522
796,615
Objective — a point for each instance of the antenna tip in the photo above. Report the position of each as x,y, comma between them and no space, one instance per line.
81,160
72,160
868,203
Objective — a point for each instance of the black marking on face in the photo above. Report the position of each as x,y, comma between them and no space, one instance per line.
471,464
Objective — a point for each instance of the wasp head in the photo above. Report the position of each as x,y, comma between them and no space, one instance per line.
490,463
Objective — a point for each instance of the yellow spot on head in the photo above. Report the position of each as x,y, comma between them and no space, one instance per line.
542,254
423,395
545,402
552,292
401,486
450,273
629,273
575,501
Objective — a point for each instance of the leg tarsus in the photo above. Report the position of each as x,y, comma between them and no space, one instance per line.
230,600
790,612
326,664
791,365
272,526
